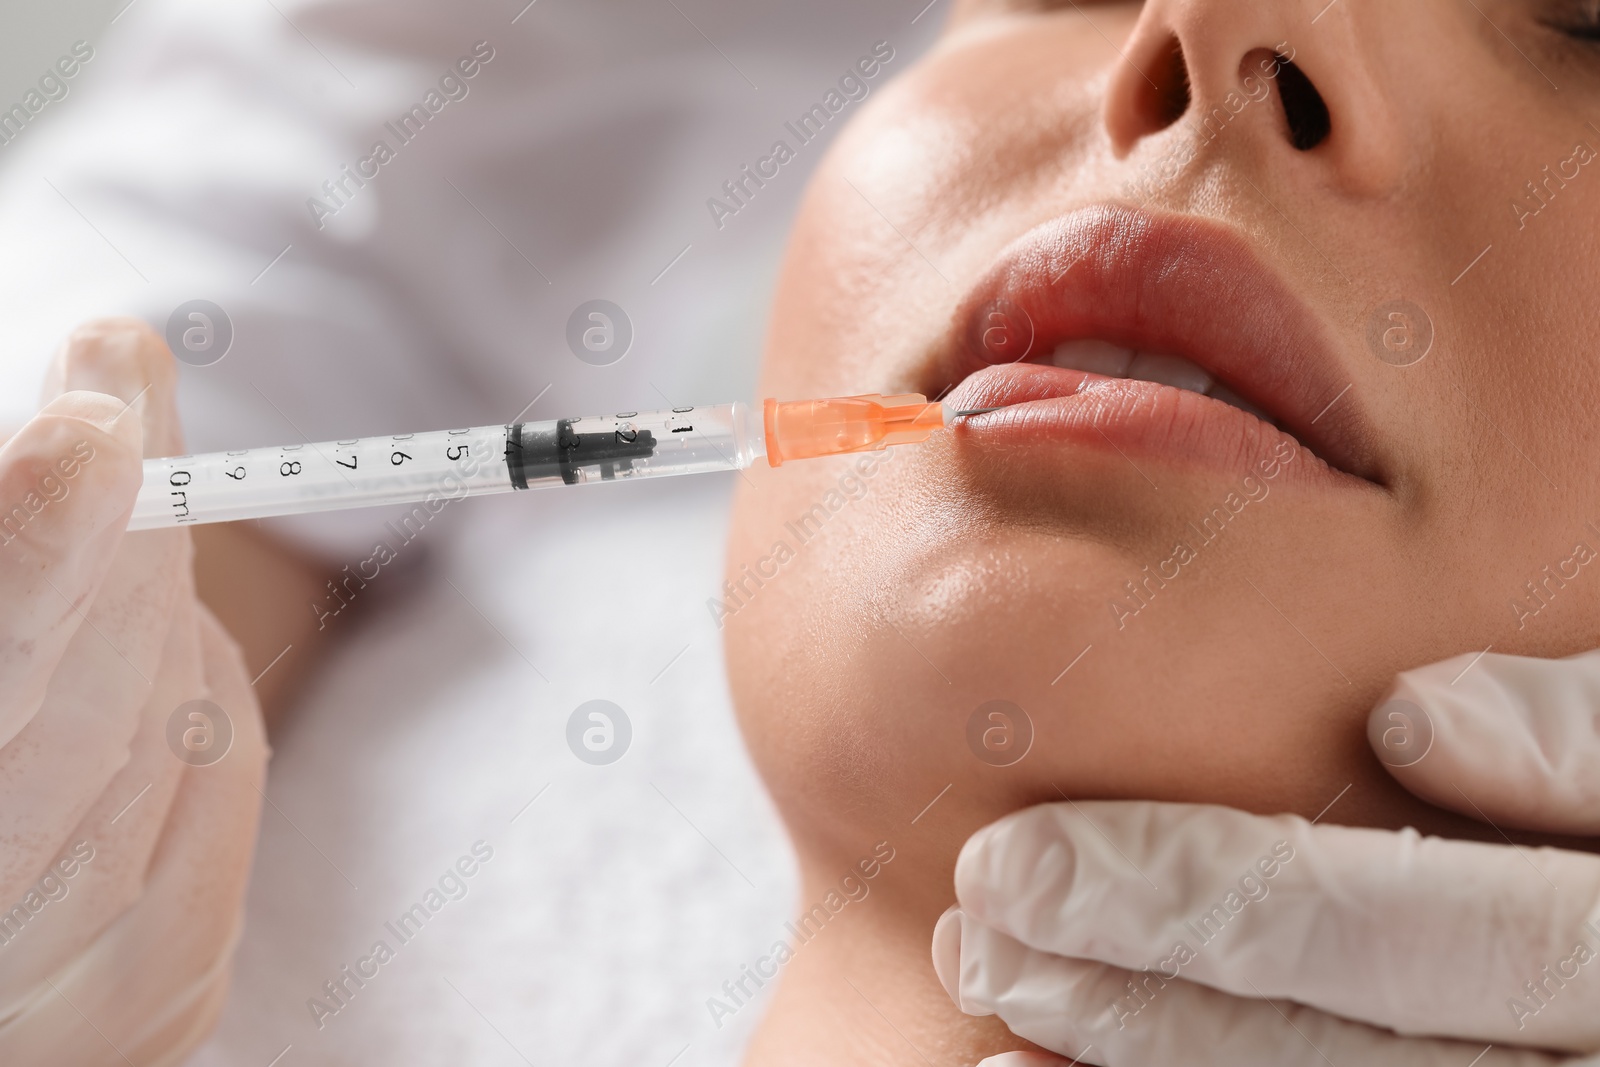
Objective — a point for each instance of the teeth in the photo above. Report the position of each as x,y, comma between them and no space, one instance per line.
1095,357
1228,396
1169,370
1113,361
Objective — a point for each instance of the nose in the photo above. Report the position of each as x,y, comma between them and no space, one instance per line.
1265,76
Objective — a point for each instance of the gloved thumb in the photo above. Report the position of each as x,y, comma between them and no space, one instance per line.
1509,740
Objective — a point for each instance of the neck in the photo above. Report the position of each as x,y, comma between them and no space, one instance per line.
860,988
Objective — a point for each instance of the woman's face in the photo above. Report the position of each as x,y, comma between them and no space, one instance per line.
1372,222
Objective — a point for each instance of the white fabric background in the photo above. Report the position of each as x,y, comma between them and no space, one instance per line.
179,168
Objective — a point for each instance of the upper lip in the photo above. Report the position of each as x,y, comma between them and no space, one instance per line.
1174,284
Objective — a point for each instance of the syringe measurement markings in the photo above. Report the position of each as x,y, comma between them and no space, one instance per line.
289,468
311,476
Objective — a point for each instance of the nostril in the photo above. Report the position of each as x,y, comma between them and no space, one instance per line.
1164,91
1303,107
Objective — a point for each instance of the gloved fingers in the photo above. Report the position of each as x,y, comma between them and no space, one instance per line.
1422,936
1038,995
185,925
100,871
947,965
1510,740
125,358
1100,1014
77,737
67,482
204,856
135,602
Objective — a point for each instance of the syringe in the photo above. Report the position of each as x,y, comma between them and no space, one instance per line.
450,464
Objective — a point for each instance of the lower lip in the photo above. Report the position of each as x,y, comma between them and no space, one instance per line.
1143,421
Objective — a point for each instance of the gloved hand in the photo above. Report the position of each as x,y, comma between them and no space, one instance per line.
1166,935
122,865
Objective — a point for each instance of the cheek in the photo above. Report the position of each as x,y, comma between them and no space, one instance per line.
936,173
859,671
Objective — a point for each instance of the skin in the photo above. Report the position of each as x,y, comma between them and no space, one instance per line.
939,584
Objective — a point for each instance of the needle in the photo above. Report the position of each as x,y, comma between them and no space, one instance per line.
977,411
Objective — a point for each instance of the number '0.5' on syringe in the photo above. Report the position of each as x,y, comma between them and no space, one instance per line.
449,464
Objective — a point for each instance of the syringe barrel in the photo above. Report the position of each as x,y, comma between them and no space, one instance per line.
432,469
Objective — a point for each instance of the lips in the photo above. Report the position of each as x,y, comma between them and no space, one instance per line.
1119,296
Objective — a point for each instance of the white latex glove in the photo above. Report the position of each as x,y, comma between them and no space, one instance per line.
127,865
1324,945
